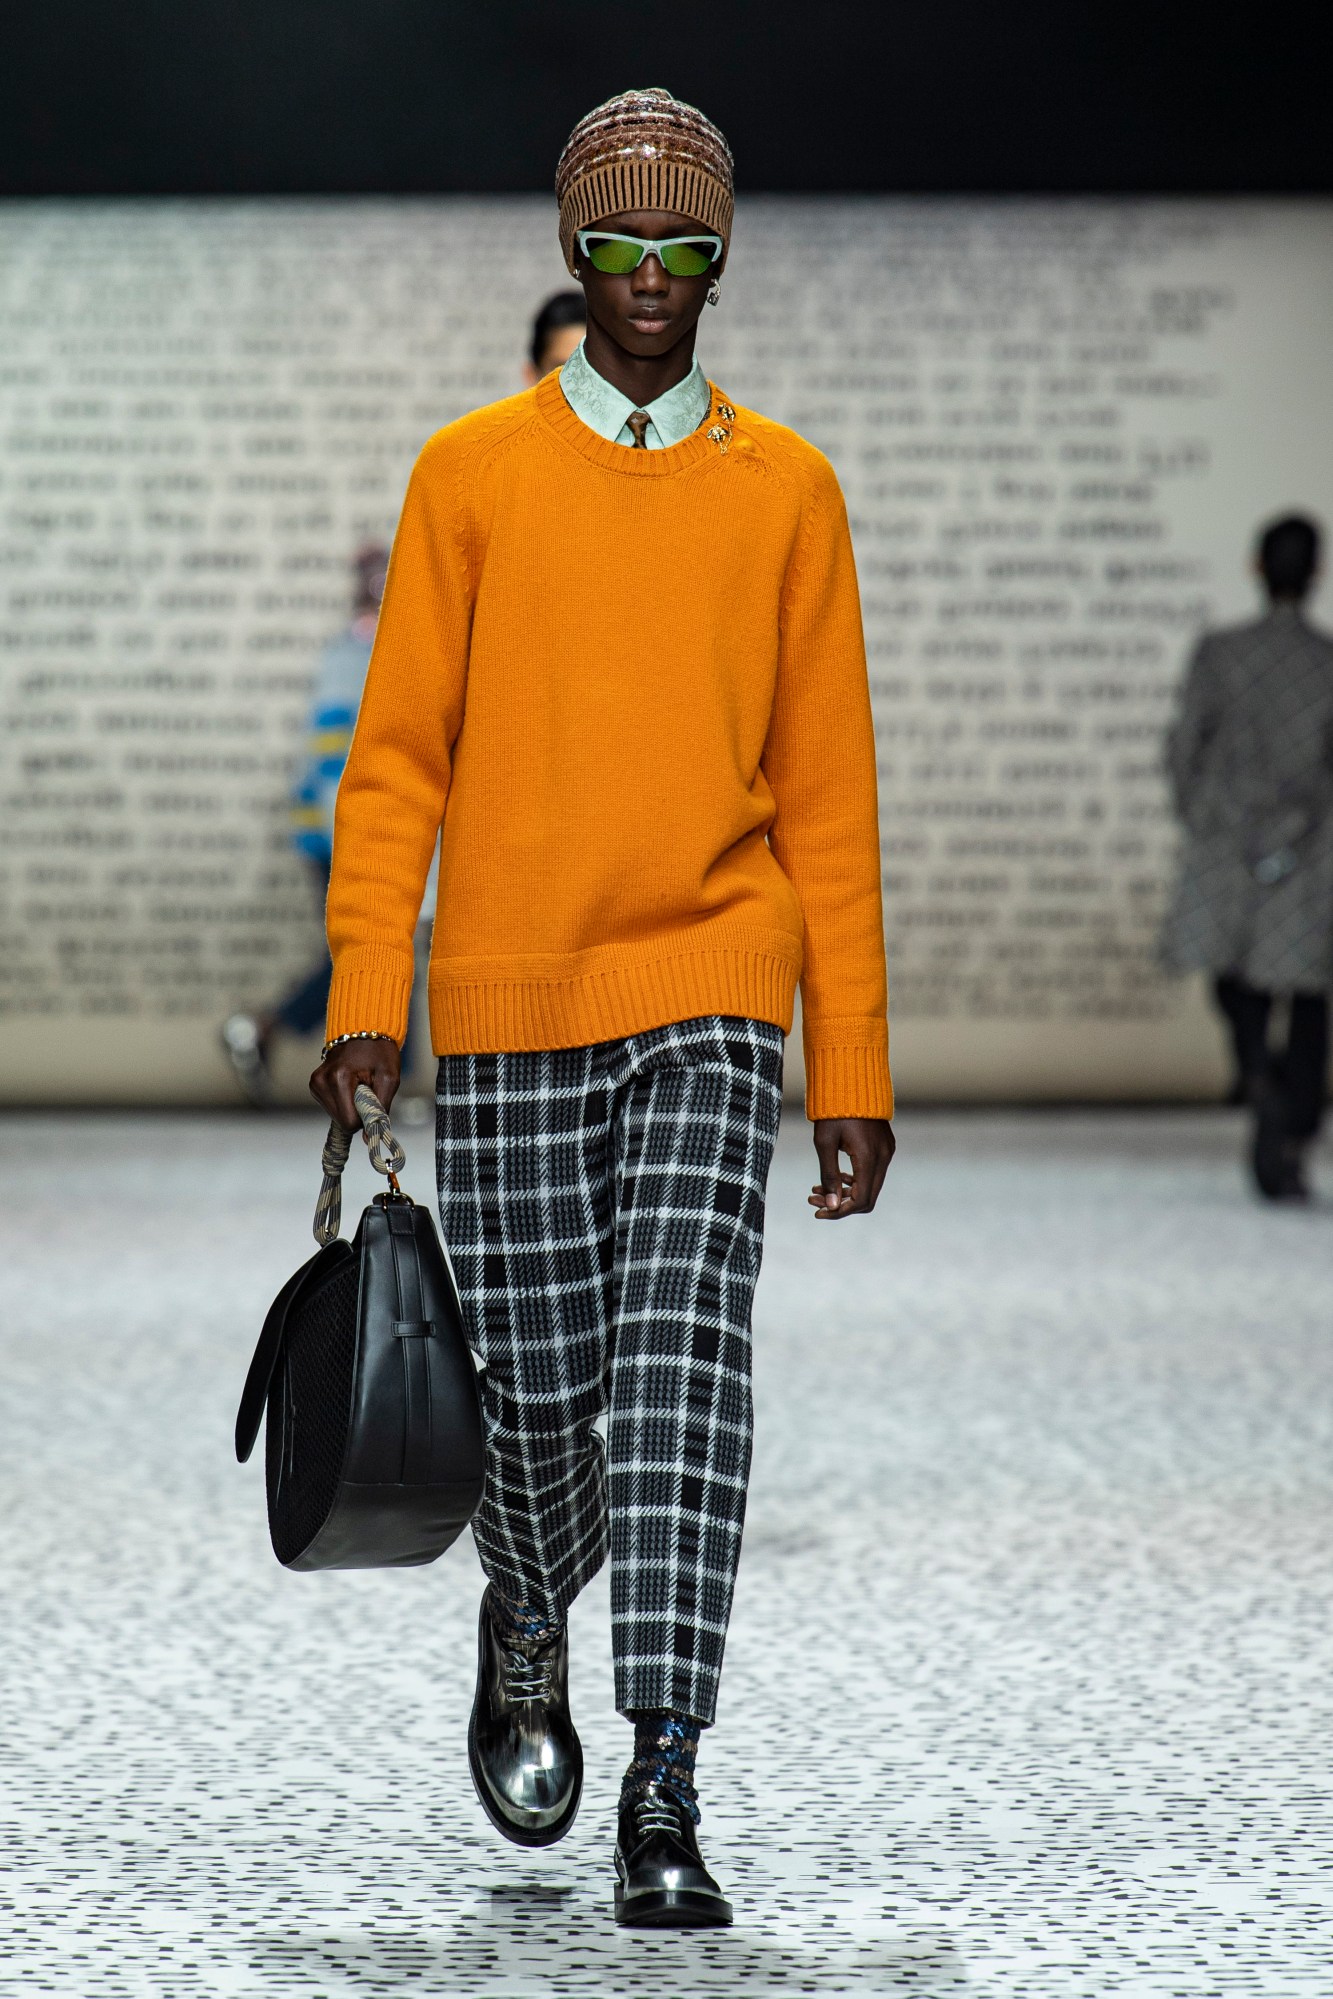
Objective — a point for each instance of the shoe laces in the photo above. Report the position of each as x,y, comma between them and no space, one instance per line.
653,1778
656,1814
526,1679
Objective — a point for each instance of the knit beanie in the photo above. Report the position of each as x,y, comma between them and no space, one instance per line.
643,149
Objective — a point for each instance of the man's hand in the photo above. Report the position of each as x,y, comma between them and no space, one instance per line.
870,1145
333,1084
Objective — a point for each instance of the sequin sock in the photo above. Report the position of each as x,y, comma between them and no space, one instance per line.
665,1746
519,1624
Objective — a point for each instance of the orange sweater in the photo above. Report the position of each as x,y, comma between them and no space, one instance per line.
631,685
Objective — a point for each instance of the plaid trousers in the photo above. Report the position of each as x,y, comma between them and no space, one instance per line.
604,1211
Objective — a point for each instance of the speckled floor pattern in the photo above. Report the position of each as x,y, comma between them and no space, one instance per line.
1028,1693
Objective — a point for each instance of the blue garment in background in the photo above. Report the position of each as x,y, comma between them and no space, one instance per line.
304,1007
339,679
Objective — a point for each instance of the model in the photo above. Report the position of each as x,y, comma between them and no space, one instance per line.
1251,763
620,662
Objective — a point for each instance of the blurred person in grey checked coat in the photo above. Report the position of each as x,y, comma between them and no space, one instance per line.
1251,765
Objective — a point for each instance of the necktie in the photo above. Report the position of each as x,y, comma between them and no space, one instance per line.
638,421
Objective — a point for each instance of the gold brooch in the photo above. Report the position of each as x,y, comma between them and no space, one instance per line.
719,436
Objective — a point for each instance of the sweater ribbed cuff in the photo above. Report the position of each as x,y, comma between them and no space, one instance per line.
848,1080
371,991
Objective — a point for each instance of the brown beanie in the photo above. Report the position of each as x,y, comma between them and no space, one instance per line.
643,149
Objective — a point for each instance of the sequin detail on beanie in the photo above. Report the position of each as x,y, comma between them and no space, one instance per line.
665,1748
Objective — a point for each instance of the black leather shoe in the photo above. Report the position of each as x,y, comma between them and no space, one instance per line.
1268,1144
661,1881
525,1758
1277,1160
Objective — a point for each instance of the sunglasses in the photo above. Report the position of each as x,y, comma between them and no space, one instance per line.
679,256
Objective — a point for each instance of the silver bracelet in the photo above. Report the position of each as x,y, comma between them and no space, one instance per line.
358,1034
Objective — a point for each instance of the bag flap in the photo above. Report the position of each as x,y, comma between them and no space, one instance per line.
255,1393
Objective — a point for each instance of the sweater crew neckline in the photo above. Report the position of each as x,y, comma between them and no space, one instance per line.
672,458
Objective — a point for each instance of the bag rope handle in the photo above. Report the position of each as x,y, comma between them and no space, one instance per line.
386,1156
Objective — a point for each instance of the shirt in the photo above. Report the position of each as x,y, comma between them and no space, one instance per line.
604,409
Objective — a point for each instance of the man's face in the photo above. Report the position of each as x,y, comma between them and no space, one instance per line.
646,311
558,348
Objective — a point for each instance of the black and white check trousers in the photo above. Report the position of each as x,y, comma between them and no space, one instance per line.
604,1211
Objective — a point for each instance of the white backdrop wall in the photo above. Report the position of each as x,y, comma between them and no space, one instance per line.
1057,425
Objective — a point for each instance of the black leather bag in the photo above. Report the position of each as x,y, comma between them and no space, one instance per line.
374,1450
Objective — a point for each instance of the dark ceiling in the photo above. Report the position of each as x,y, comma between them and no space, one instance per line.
325,96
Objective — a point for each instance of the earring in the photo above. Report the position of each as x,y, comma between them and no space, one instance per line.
714,292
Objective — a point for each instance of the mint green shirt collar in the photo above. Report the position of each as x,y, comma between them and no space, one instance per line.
602,407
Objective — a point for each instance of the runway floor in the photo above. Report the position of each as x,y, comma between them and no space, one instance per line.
1028,1691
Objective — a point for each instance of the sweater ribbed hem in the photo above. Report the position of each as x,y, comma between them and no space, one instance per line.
849,1078
629,995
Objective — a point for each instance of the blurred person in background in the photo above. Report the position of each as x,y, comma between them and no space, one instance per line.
556,332
1251,765
247,1038
621,661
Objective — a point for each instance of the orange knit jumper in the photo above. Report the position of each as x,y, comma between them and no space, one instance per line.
631,687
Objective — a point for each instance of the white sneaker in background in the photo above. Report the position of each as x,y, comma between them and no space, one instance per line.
243,1046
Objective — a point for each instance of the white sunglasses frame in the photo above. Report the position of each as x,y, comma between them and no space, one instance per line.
650,248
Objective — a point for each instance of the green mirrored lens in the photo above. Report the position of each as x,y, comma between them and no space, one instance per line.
616,258
687,260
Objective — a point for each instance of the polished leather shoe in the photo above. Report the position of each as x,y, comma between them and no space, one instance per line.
661,1881
1268,1147
1277,1160
525,1758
